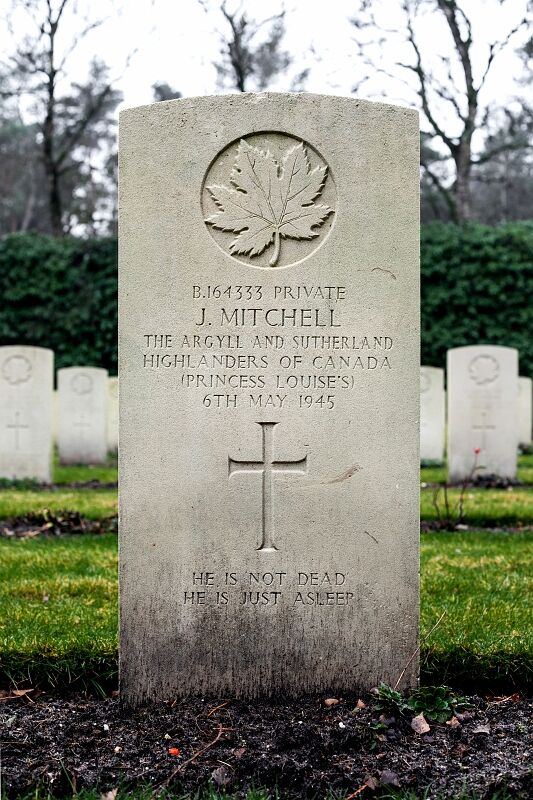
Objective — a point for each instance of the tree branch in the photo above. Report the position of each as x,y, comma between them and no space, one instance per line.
418,69
443,191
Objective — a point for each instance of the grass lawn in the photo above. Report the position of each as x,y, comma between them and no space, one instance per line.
92,503
484,583
438,474
58,609
484,507
58,604
80,473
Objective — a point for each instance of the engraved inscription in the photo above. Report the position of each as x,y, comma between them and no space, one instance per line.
266,195
16,427
259,589
267,356
81,383
267,467
16,370
483,369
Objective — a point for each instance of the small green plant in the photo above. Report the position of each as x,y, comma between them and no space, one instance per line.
436,703
377,734
449,517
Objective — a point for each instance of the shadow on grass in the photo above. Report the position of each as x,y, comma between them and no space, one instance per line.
473,673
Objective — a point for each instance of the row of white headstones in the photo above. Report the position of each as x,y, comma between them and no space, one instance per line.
488,413
483,416
81,416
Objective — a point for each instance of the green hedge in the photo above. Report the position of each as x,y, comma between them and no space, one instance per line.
62,294
477,286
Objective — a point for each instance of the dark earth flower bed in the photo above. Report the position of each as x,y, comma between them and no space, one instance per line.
313,747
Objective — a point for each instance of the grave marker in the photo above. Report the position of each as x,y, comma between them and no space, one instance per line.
26,385
482,411
524,411
82,420
269,396
432,414
112,415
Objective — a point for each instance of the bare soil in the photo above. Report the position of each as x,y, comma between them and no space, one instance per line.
301,748
53,523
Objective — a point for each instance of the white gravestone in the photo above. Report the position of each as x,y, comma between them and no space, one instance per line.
432,414
482,383
26,386
55,416
112,415
524,411
82,424
268,396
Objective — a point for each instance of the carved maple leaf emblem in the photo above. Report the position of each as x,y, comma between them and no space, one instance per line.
268,200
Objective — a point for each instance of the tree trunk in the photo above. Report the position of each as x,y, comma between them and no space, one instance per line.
49,132
463,165
54,201
30,203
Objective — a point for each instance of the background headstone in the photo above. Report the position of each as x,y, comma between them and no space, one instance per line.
432,414
26,385
482,391
112,414
524,411
82,425
269,395
55,415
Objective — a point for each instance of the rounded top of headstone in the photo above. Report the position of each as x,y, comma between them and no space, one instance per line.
477,348
484,364
96,371
81,380
430,376
289,99
27,349
434,370
17,362
472,351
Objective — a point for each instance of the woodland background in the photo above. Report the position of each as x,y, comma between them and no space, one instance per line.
58,158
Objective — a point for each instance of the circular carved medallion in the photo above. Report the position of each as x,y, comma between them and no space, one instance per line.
269,200
16,370
483,369
81,383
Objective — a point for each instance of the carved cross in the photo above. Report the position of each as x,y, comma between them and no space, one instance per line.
82,424
17,427
267,468
483,425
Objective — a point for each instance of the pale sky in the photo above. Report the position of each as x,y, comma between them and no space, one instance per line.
175,41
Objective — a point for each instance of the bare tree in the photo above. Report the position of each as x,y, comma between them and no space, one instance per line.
163,91
504,182
448,95
251,53
66,122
